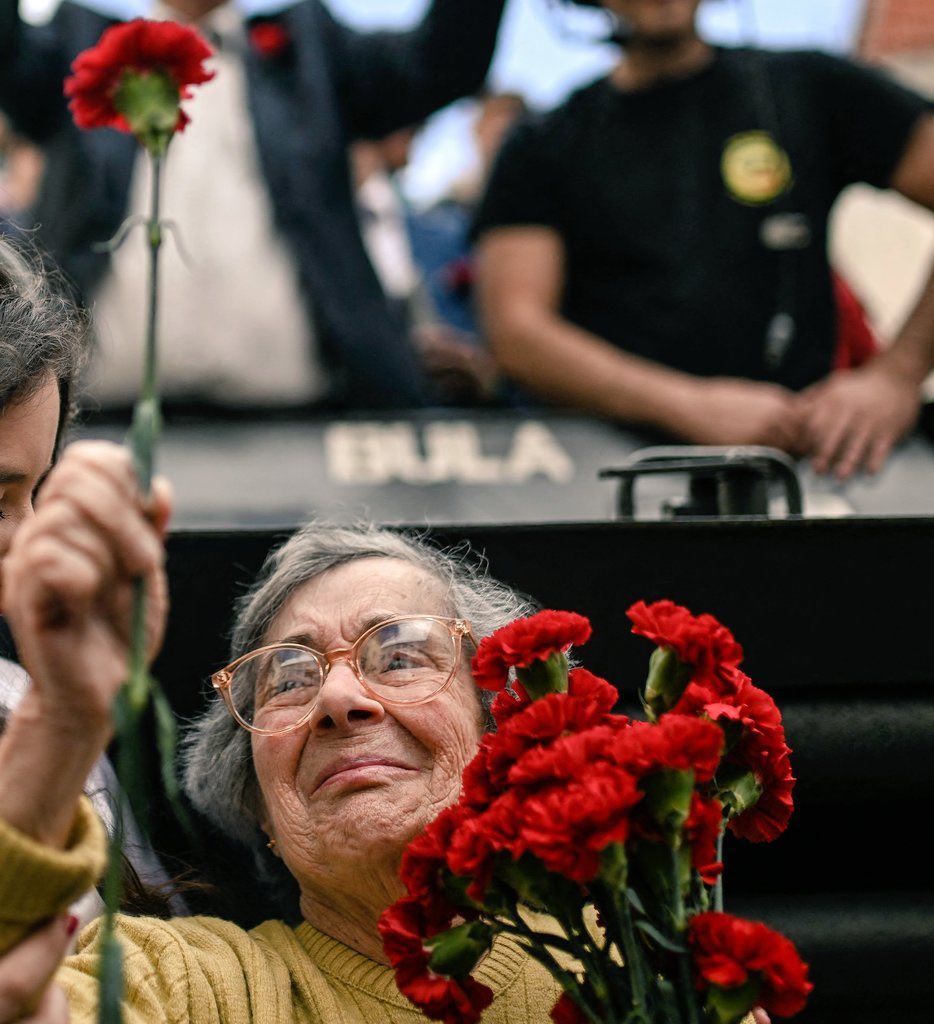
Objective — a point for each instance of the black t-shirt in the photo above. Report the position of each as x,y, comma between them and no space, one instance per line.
663,228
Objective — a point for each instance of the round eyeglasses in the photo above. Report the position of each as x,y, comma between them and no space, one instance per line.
405,660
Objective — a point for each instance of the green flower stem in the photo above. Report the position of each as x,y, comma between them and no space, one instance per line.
618,923
534,944
718,884
685,984
132,701
146,413
144,436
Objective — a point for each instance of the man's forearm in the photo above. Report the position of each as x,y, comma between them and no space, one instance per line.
565,364
912,352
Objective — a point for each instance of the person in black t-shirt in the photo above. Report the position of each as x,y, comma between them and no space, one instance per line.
654,250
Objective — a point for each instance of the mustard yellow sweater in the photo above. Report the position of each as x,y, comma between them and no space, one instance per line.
202,970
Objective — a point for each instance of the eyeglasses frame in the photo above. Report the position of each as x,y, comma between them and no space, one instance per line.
223,678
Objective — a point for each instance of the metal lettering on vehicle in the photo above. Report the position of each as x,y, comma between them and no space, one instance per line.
441,451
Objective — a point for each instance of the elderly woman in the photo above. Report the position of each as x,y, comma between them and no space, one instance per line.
349,715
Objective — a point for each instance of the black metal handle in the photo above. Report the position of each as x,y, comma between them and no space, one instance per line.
724,481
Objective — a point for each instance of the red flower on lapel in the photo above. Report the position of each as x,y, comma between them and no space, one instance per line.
270,39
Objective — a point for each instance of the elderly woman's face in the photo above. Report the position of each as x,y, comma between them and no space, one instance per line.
28,429
361,778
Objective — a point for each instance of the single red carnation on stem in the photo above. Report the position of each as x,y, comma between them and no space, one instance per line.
698,640
730,952
524,642
135,78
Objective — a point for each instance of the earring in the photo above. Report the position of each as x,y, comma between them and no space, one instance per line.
271,844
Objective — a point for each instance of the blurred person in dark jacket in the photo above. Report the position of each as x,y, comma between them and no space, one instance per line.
277,305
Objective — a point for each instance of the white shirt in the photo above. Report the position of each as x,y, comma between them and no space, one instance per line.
232,325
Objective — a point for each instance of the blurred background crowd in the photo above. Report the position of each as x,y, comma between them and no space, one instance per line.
694,228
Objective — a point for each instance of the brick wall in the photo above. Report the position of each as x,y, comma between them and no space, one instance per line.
896,26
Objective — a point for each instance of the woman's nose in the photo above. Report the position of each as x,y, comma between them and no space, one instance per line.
343,701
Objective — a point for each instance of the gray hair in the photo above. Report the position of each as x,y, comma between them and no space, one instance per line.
42,333
218,772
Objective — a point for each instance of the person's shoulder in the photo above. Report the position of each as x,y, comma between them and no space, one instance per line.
796,62
549,128
578,103
779,58
167,941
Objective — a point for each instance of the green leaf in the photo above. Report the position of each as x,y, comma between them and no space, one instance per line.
167,742
666,943
636,900
456,952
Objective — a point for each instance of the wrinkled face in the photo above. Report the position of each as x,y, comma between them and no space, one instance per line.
360,779
658,21
27,443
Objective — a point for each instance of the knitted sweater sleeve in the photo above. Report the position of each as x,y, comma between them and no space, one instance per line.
183,971
38,882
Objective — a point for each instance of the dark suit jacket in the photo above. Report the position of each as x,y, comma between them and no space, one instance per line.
331,84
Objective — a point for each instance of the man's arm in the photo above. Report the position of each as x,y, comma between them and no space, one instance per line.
33,65
390,80
520,281
853,418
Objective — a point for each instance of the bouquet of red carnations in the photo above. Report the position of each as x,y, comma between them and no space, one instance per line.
610,825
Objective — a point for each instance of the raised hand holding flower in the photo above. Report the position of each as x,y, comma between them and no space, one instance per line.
135,80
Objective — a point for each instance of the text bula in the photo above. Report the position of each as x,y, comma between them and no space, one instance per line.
441,451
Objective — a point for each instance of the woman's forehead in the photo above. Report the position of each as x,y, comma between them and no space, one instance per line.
349,597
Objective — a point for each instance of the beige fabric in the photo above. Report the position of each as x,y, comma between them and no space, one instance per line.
233,327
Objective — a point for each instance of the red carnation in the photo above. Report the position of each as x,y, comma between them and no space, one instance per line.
525,641
769,815
509,702
568,756
566,1011
403,929
566,825
702,830
698,640
588,702
424,860
675,742
726,950
269,38
751,718
101,87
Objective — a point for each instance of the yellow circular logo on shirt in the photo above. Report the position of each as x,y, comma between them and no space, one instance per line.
755,169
